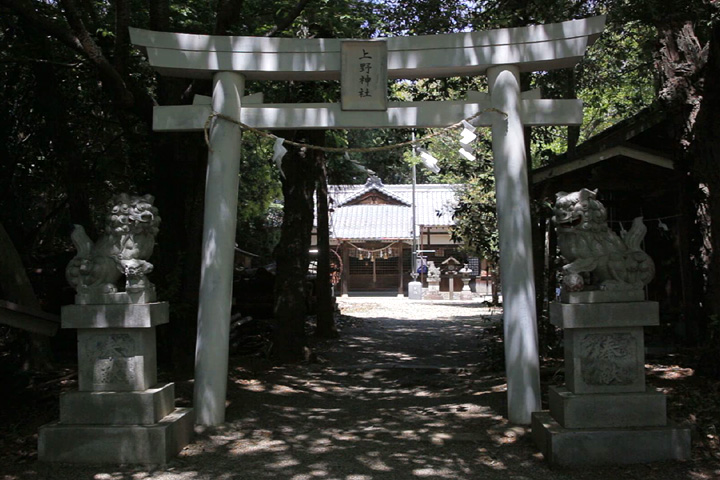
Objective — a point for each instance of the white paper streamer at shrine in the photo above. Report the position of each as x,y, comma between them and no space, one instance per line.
465,153
279,152
468,134
428,160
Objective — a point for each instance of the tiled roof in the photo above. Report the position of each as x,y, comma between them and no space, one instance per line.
373,183
371,222
434,204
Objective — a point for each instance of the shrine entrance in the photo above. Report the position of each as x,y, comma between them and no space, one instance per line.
363,68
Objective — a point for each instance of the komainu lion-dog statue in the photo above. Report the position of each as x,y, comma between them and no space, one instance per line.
598,259
131,225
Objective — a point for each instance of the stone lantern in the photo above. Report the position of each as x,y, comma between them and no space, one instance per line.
465,272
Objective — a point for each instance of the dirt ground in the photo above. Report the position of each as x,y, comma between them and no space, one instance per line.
410,390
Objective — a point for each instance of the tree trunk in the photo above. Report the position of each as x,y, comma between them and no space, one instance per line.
325,312
15,287
292,251
704,155
684,71
494,271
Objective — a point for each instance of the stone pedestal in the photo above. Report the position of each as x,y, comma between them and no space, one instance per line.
605,413
120,414
466,293
415,291
433,290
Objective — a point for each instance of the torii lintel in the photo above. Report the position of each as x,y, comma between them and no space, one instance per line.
531,48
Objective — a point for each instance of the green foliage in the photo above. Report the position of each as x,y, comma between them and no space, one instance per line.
61,138
259,187
475,215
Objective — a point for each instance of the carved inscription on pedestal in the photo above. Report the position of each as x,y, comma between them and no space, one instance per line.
113,358
608,358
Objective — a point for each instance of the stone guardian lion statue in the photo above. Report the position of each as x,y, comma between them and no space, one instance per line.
131,225
597,257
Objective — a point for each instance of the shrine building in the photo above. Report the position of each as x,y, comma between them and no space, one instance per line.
371,235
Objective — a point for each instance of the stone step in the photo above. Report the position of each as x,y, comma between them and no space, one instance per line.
607,410
135,444
598,446
117,408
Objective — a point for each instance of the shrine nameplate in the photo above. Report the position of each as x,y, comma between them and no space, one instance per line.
364,75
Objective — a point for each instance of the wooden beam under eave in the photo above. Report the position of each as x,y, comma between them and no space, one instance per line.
553,171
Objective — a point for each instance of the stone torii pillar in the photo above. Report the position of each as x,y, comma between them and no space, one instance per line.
516,261
500,54
218,251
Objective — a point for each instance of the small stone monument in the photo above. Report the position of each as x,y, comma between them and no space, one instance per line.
604,414
465,272
119,414
451,265
415,291
433,279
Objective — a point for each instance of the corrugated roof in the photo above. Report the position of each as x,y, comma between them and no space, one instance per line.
434,204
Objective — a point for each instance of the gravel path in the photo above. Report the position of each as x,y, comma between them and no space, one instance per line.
407,392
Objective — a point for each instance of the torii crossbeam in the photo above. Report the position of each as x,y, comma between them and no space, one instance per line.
500,54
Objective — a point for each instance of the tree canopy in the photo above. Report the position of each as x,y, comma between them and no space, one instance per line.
78,102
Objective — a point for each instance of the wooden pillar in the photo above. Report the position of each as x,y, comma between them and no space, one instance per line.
345,276
401,285
422,247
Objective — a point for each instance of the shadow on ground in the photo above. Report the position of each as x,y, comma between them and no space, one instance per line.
390,399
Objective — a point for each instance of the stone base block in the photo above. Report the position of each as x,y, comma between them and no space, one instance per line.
147,295
605,360
600,315
118,408
137,444
603,296
134,315
607,410
116,359
563,446
466,295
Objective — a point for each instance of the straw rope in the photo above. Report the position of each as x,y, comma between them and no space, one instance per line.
343,149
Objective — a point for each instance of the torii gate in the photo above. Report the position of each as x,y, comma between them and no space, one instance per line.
500,54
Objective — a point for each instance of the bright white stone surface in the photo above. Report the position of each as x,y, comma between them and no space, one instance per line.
532,48
279,116
516,262
119,315
415,291
218,252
